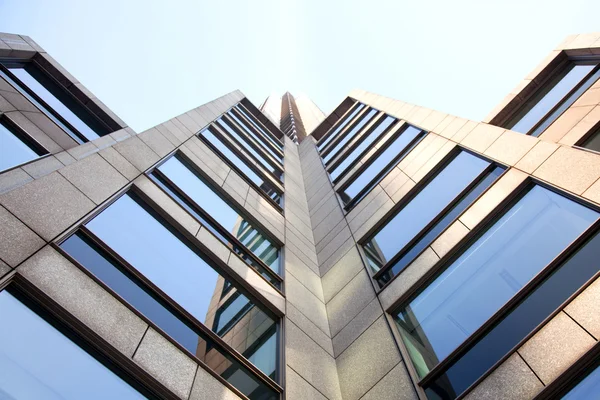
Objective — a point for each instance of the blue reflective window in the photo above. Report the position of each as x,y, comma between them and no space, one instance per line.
15,148
431,200
123,282
259,140
83,125
490,272
242,142
379,166
190,183
253,121
381,128
547,105
350,135
231,312
262,183
518,322
39,362
587,389
358,107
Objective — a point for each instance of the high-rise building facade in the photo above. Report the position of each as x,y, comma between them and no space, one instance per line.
385,251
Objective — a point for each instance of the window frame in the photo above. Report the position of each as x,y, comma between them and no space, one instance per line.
384,172
593,131
215,130
246,110
259,135
516,115
463,245
24,137
346,131
82,336
337,124
215,224
45,109
178,311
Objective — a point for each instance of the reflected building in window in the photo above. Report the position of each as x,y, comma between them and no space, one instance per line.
379,250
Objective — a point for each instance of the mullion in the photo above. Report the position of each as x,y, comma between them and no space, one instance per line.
258,134
249,136
255,121
340,125
334,150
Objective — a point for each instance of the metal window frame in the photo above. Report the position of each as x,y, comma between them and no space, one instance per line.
259,135
337,124
246,105
324,152
24,137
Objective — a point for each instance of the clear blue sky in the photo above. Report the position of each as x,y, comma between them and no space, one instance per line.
151,60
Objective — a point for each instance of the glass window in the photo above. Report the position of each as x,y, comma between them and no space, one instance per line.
490,272
426,205
194,187
265,131
39,362
587,389
592,142
15,148
548,104
380,129
242,142
518,322
77,121
129,287
260,140
442,221
234,160
350,135
341,125
379,165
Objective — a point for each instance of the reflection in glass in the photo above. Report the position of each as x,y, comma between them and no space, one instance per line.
364,145
545,298
587,389
57,99
190,183
39,362
495,267
592,143
551,96
263,184
452,180
13,150
341,126
350,135
166,317
380,165
252,133
252,120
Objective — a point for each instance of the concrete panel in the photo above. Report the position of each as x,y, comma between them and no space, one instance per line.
396,385
349,302
17,241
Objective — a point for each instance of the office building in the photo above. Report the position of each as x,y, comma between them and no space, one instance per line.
383,251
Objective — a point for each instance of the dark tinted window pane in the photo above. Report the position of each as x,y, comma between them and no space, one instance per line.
235,160
230,312
350,135
495,267
548,296
364,145
265,131
259,157
449,216
547,100
587,389
126,285
264,356
592,143
13,151
426,205
253,133
39,362
399,146
194,187
58,100
341,126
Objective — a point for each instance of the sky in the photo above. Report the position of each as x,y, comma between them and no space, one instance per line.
152,60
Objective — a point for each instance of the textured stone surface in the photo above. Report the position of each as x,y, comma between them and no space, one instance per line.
4,268
396,385
305,275
341,273
308,327
513,379
356,327
120,163
572,169
207,387
13,178
555,347
137,153
307,303
536,156
166,363
214,244
585,309
449,238
367,360
17,241
297,388
311,362
43,166
85,299
95,177
510,147
47,205
349,302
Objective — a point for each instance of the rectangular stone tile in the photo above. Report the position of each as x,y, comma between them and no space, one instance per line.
341,274
326,265
482,136
571,169
367,360
309,328
137,153
13,179
349,301
584,309
307,303
396,385
207,387
305,275
356,327
298,388
571,117
333,246
17,241
449,238
43,166
536,156
510,147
